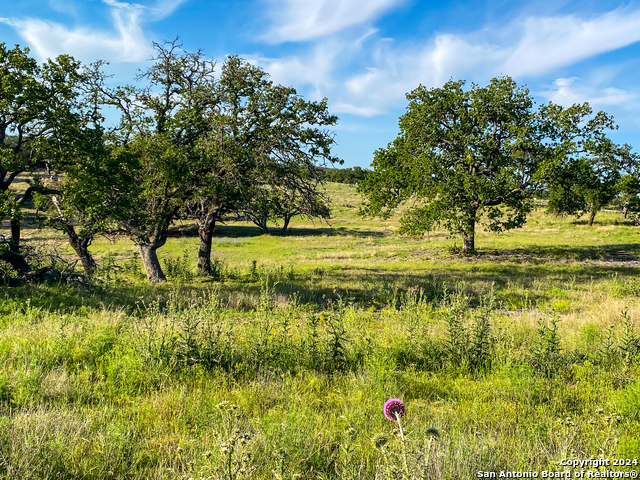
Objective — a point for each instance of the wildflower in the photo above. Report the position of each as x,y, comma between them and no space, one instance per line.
393,409
414,290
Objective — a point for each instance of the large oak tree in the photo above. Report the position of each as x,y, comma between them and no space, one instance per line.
263,137
463,156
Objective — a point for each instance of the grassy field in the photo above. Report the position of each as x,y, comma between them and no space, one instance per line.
278,367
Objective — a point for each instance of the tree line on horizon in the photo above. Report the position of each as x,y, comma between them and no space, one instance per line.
194,143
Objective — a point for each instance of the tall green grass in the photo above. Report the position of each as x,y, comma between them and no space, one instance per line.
183,386
278,365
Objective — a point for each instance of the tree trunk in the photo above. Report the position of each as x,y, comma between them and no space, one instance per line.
592,215
81,248
468,241
151,263
625,211
12,256
17,261
14,244
285,225
262,225
80,245
468,244
205,232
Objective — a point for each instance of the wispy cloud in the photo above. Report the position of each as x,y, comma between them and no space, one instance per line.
125,42
301,20
313,69
64,6
549,43
567,91
526,48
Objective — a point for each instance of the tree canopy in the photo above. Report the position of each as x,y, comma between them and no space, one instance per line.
478,155
583,167
192,143
464,156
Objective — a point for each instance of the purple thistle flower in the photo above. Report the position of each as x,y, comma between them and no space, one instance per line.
392,407
414,290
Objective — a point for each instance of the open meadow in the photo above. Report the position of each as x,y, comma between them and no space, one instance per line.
278,365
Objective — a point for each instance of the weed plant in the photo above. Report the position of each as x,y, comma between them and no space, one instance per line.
185,387
277,366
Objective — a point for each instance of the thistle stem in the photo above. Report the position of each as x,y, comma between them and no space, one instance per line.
404,449
399,425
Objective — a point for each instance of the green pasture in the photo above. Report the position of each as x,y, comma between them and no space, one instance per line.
277,367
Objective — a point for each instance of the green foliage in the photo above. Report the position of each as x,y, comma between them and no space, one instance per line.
629,342
9,208
469,346
179,268
350,176
628,199
464,155
546,353
186,381
280,206
584,168
474,156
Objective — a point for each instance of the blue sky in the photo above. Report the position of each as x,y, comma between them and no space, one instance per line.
364,55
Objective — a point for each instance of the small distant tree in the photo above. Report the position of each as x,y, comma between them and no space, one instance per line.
280,206
462,157
629,198
313,205
584,167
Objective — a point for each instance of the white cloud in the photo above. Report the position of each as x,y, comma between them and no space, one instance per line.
126,42
313,69
361,111
549,43
164,8
64,6
567,91
525,48
301,20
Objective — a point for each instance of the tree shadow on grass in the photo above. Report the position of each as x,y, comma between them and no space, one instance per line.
601,221
240,231
515,275
628,252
